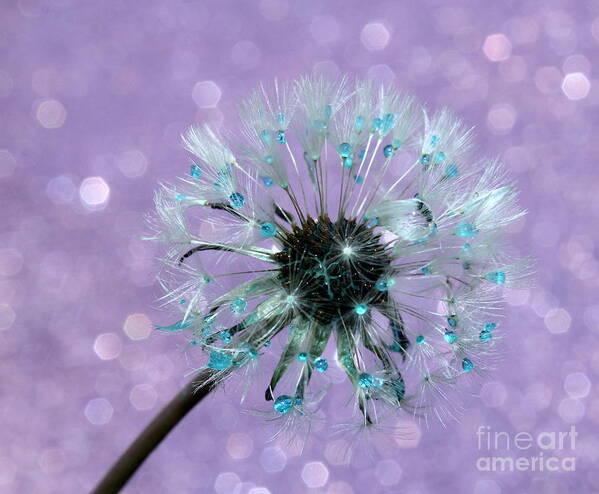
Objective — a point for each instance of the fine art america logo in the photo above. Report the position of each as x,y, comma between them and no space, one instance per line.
526,452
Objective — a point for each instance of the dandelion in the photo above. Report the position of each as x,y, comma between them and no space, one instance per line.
401,271
345,215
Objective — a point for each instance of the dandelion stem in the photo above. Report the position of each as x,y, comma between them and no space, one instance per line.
124,468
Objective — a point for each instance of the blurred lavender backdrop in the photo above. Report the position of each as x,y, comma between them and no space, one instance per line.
93,97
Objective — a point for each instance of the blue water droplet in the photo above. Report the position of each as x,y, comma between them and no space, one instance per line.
452,320
267,343
267,181
358,179
451,171
466,229
345,149
239,305
365,380
381,285
388,123
359,123
281,138
431,233
348,162
181,197
388,283
425,159
266,137
225,336
376,124
268,229
195,171
467,365
361,309
319,125
269,160
439,157
420,339
219,361
450,336
395,347
435,140
490,326
496,277
321,364
371,222
281,119
283,404
388,151
237,200
302,356
485,335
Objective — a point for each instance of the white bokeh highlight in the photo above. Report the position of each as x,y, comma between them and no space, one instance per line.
315,474
107,346
576,86
497,47
137,326
558,320
98,411
375,36
577,385
51,114
132,163
206,94
94,192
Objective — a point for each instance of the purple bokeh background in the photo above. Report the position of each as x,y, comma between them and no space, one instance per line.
93,97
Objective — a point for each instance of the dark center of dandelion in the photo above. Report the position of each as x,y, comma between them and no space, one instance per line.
331,268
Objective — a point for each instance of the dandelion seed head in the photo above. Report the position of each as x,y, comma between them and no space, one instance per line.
340,214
